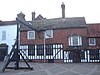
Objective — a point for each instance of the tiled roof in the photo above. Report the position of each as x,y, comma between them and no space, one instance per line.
56,23
59,23
94,30
2,23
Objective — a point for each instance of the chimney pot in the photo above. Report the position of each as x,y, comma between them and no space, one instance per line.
63,10
33,15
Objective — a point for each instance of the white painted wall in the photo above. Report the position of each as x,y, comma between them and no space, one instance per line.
11,32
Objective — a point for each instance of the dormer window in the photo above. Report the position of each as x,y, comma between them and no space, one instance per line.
49,34
75,40
31,34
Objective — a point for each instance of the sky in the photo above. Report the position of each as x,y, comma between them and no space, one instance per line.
90,9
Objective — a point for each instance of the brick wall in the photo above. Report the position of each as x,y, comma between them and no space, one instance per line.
59,36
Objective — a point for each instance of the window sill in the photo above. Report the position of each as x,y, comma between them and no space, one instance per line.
92,45
31,39
75,45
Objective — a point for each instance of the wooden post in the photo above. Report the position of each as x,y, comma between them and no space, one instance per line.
17,49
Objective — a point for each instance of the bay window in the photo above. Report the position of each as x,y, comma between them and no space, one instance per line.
75,40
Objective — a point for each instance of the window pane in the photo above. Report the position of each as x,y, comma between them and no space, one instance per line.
40,49
49,34
31,50
75,41
82,54
92,41
31,34
3,35
49,49
71,55
94,54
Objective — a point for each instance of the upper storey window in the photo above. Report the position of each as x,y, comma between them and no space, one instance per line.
92,41
49,34
75,40
31,34
3,35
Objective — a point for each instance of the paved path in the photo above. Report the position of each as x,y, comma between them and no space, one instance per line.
57,69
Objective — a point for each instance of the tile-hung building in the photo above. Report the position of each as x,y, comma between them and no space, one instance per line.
60,39
8,31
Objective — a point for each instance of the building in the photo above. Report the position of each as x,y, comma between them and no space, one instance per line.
60,39
52,40
8,31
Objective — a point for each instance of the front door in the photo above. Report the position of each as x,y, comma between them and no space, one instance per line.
76,57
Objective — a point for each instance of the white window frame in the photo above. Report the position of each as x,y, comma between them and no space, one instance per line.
94,41
3,35
28,35
71,43
48,34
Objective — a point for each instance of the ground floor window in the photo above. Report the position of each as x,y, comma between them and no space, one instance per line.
82,54
40,49
49,49
31,49
94,54
71,54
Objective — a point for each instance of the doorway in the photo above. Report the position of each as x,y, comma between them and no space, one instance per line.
76,56
3,51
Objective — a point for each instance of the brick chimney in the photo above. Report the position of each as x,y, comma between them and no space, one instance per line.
33,15
21,16
63,10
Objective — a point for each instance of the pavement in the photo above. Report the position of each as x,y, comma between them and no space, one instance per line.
55,69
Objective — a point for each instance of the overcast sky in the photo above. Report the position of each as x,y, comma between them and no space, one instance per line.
90,9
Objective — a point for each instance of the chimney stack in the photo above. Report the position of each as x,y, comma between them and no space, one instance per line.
63,10
21,16
33,15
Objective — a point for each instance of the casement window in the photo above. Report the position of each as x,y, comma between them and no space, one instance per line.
31,49
92,41
49,49
3,35
94,54
40,49
31,34
82,54
49,34
75,40
71,55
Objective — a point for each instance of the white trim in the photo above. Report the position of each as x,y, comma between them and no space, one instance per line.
71,43
48,34
94,41
33,37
